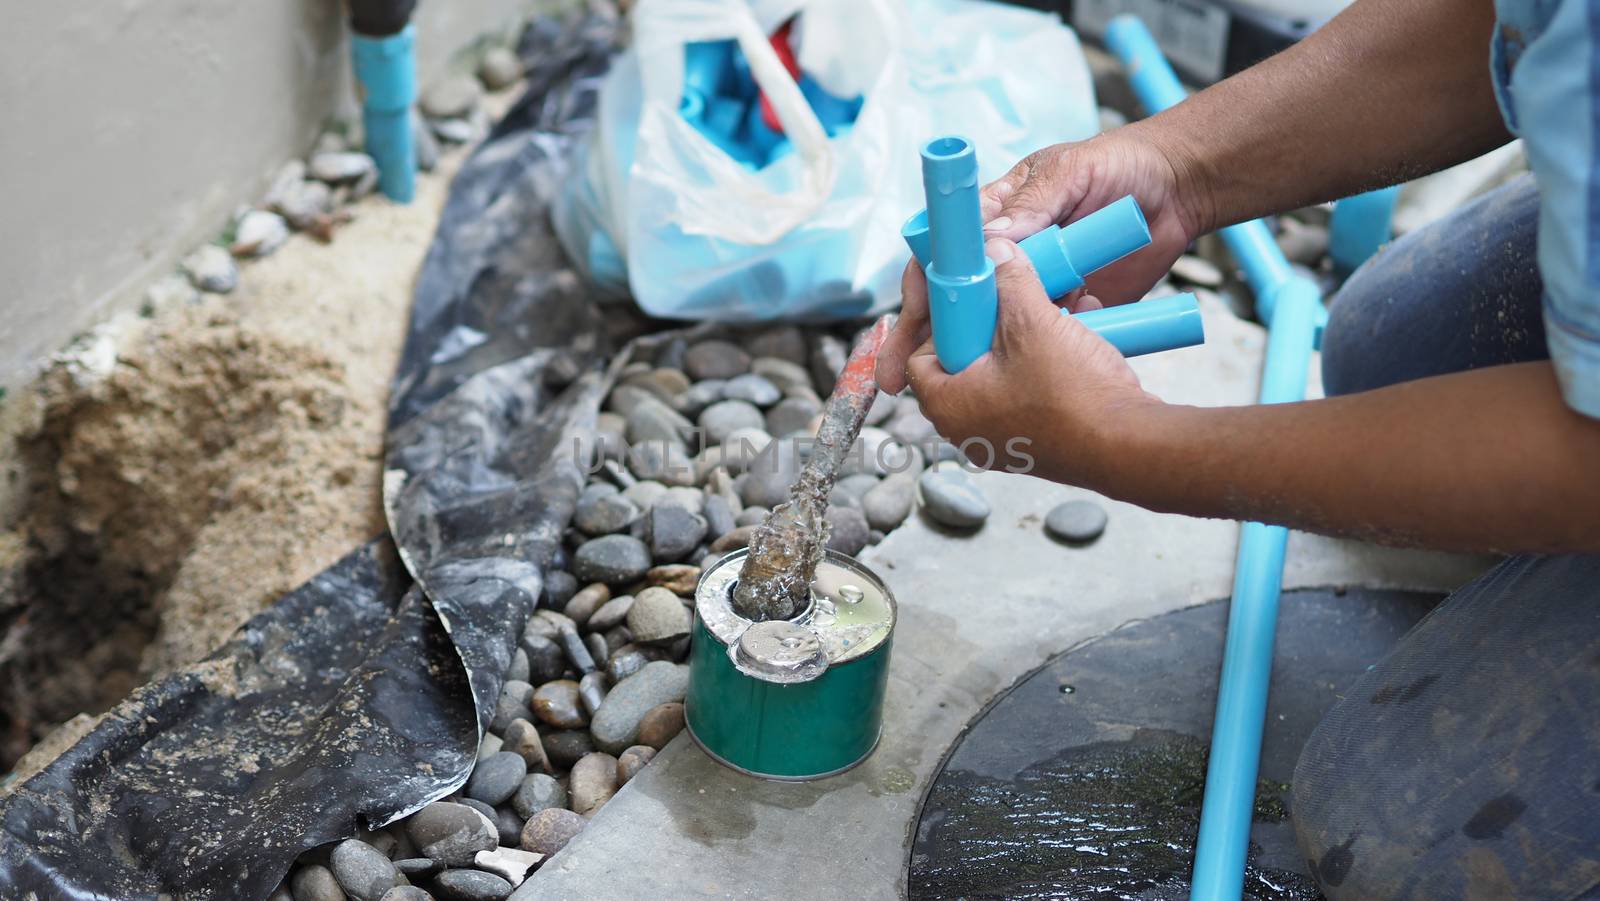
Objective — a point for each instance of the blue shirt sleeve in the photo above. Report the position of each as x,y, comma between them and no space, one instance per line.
1551,97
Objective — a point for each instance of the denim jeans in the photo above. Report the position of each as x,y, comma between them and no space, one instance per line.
1466,764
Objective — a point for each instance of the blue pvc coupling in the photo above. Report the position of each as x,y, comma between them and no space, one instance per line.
386,68
1149,326
962,303
1063,257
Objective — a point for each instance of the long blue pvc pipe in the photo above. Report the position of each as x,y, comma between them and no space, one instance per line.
1292,307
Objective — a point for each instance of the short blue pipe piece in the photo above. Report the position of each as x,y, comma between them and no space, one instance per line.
1360,225
962,302
387,70
1291,305
1063,257
1149,326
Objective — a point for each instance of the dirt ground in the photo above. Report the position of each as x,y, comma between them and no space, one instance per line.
173,475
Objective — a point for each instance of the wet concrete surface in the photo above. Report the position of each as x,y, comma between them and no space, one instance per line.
978,612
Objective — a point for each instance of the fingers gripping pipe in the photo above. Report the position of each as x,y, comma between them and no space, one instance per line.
947,239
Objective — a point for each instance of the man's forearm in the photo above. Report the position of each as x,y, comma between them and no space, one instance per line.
1388,90
1490,459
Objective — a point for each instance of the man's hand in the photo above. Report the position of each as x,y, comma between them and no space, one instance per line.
1059,185
1048,380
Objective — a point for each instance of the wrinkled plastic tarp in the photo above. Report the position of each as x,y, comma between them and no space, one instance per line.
360,696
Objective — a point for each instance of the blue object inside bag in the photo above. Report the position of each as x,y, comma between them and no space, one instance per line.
722,102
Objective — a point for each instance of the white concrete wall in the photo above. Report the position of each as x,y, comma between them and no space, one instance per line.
129,129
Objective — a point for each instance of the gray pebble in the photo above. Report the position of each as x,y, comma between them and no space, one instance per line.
751,516
792,414
567,748
699,396
559,587
212,269
522,739
661,461
912,429
653,421
598,649
672,532
301,203
315,883
538,791
743,448
499,69
611,614
887,504
784,374
519,668
470,885
624,663
592,690
752,388
417,867
427,145
726,416
1076,522
658,617
509,826
719,517
883,405
715,360
495,779
645,494
785,342
451,97
828,356
624,398
451,833
406,893
342,167
585,603
452,131
768,479
950,498
616,725
612,559
548,831
848,491
545,658
485,809
576,650
558,704
489,744
600,513
593,783
847,530
363,872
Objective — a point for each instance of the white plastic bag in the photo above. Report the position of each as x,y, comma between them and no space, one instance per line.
816,233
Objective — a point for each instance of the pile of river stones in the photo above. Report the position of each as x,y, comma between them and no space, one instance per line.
694,448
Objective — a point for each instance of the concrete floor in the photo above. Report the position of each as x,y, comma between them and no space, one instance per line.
977,612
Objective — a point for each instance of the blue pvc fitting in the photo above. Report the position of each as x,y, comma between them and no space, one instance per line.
962,302
835,113
1064,257
692,107
758,138
1059,255
1359,226
387,70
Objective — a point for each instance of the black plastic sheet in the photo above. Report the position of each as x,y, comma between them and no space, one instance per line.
360,697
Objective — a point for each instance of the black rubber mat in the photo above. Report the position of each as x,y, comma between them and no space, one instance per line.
1085,779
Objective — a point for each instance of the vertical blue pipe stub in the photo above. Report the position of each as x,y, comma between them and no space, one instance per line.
1359,226
962,302
387,70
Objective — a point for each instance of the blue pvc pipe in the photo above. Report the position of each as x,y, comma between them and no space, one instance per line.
1149,326
387,70
1360,225
1292,307
962,303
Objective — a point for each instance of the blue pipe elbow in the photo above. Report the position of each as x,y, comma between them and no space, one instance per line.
1360,225
387,70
